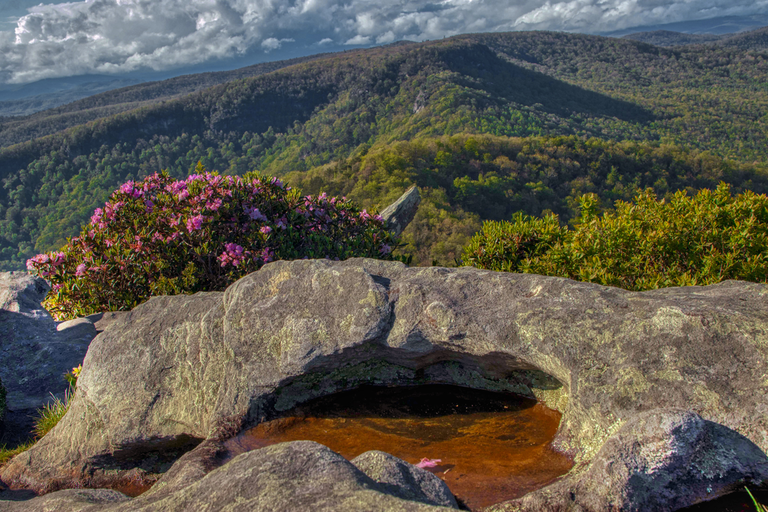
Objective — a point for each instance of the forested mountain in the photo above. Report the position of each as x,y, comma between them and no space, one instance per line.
748,41
19,129
670,38
563,114
30,104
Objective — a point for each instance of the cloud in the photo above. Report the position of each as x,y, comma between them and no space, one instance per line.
120,36
359,40
271,43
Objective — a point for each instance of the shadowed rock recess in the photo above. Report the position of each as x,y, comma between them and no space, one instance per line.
664,394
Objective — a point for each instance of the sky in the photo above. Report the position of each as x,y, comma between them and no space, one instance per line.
51,40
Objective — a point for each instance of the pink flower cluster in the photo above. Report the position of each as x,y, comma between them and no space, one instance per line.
151,234
233,255
195,223
51,261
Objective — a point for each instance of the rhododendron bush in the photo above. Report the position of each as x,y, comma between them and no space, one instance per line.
164,236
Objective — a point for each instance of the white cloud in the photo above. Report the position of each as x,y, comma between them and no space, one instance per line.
359,39
119,36
272,43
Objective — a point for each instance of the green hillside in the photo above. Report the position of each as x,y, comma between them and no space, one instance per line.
554,115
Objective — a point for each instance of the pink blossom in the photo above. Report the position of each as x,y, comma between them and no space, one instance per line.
195,223
40,259
213,205
130,189
255,214
428,463
96,217
233,255
80,270
176,187
266,230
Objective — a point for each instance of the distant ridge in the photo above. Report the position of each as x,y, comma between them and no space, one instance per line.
102,94
716,26
754,40
668,38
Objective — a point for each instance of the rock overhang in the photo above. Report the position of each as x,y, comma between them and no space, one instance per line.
296,330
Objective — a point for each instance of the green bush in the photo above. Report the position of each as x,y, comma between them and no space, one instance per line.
164,237
642,245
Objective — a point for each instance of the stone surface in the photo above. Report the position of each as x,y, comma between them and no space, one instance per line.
35,356
664,459
404,480
69,500
36,351
400,213
301,475
179,370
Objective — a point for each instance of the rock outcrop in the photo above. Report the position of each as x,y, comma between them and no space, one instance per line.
35,355
400,213
663,394
301,475
36,350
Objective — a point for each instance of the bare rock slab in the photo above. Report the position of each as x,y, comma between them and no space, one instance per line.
301,475
635,375
34,355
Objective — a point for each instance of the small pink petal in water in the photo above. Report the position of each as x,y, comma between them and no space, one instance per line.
428,463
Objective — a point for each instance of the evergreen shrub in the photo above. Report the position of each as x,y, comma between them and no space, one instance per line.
164,236
641,245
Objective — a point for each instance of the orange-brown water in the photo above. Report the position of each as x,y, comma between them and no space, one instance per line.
493,446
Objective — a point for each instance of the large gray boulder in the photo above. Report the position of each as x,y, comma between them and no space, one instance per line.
667,367
36,351
403,479
301,475
35,355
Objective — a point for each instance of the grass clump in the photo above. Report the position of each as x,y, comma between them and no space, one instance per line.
50,414
7,454
48,417
759,507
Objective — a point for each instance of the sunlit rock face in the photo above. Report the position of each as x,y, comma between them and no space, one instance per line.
674,366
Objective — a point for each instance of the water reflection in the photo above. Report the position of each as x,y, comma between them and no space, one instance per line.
492,446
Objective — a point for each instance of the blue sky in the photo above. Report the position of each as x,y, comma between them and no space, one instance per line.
123,36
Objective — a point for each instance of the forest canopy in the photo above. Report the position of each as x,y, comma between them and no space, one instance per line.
487,125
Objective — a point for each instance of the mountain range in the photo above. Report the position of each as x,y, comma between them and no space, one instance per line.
485,124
